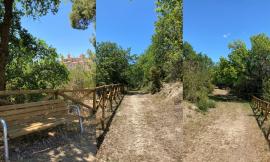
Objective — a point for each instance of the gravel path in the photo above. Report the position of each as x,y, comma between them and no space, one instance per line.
227,133
144,129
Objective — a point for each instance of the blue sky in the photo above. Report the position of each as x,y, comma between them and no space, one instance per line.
209,25
57,32
130,23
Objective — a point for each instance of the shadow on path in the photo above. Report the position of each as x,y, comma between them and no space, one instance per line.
227,98
101,137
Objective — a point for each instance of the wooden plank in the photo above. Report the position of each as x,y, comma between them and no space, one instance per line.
94,101
5,102
46,117
76,90
103,110
26,105
99,102
30,115
32,109
38,118
13,133
19,92
75,100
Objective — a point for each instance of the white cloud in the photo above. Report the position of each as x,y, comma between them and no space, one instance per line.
226,35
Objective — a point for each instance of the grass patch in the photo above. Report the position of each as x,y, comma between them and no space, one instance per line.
205,104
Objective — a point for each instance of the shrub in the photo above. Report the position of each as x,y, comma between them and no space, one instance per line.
155,84
204,104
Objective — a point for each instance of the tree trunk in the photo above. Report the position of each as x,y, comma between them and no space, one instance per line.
4,40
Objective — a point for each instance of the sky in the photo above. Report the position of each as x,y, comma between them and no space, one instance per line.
57,31
129,23
210,25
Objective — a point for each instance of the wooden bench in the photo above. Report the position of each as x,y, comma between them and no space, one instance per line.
22,119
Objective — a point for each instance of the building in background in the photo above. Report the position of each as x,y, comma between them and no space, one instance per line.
72,62
82,71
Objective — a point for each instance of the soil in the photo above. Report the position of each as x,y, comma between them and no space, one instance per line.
228,132
158,127
62,143
146,128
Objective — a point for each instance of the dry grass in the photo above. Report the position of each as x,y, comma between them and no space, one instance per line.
227,133
146,128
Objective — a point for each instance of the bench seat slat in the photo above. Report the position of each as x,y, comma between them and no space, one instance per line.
31,109
33,114
27,128
13,133
34,127
23,119
33,119
28,105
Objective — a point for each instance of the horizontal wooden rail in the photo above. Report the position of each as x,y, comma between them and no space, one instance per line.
36,91
75,100
96,93
261,109
20,92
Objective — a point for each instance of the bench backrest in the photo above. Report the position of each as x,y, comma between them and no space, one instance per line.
35,111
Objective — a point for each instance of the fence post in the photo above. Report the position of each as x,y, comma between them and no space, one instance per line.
111,104
94,100
103,108
114,87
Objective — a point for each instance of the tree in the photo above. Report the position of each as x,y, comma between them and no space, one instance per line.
112,63
83,13
225,75
197,77
9,9
246,71
83,76
167,40
32,64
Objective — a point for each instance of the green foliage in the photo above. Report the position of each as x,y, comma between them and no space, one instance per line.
197,77
266,89
37,8
163,60
246,71
10,14
135,75
224,68
112,63
230,72
204,104
155,83
167,40
83,76
83,13
32,64
141,70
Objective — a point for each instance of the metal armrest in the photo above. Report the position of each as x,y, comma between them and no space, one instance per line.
5,139
78,111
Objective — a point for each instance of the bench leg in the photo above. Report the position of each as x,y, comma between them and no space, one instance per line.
78,111
4,125
80,118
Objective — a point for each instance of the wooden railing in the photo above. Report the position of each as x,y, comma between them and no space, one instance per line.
261,111
95,99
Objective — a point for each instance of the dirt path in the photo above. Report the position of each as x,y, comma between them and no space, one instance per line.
144,129
227,133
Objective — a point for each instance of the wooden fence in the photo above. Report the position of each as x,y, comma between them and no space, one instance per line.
100,98
261,111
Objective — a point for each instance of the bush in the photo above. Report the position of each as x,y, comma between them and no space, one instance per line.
211,104
155,83
204,104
